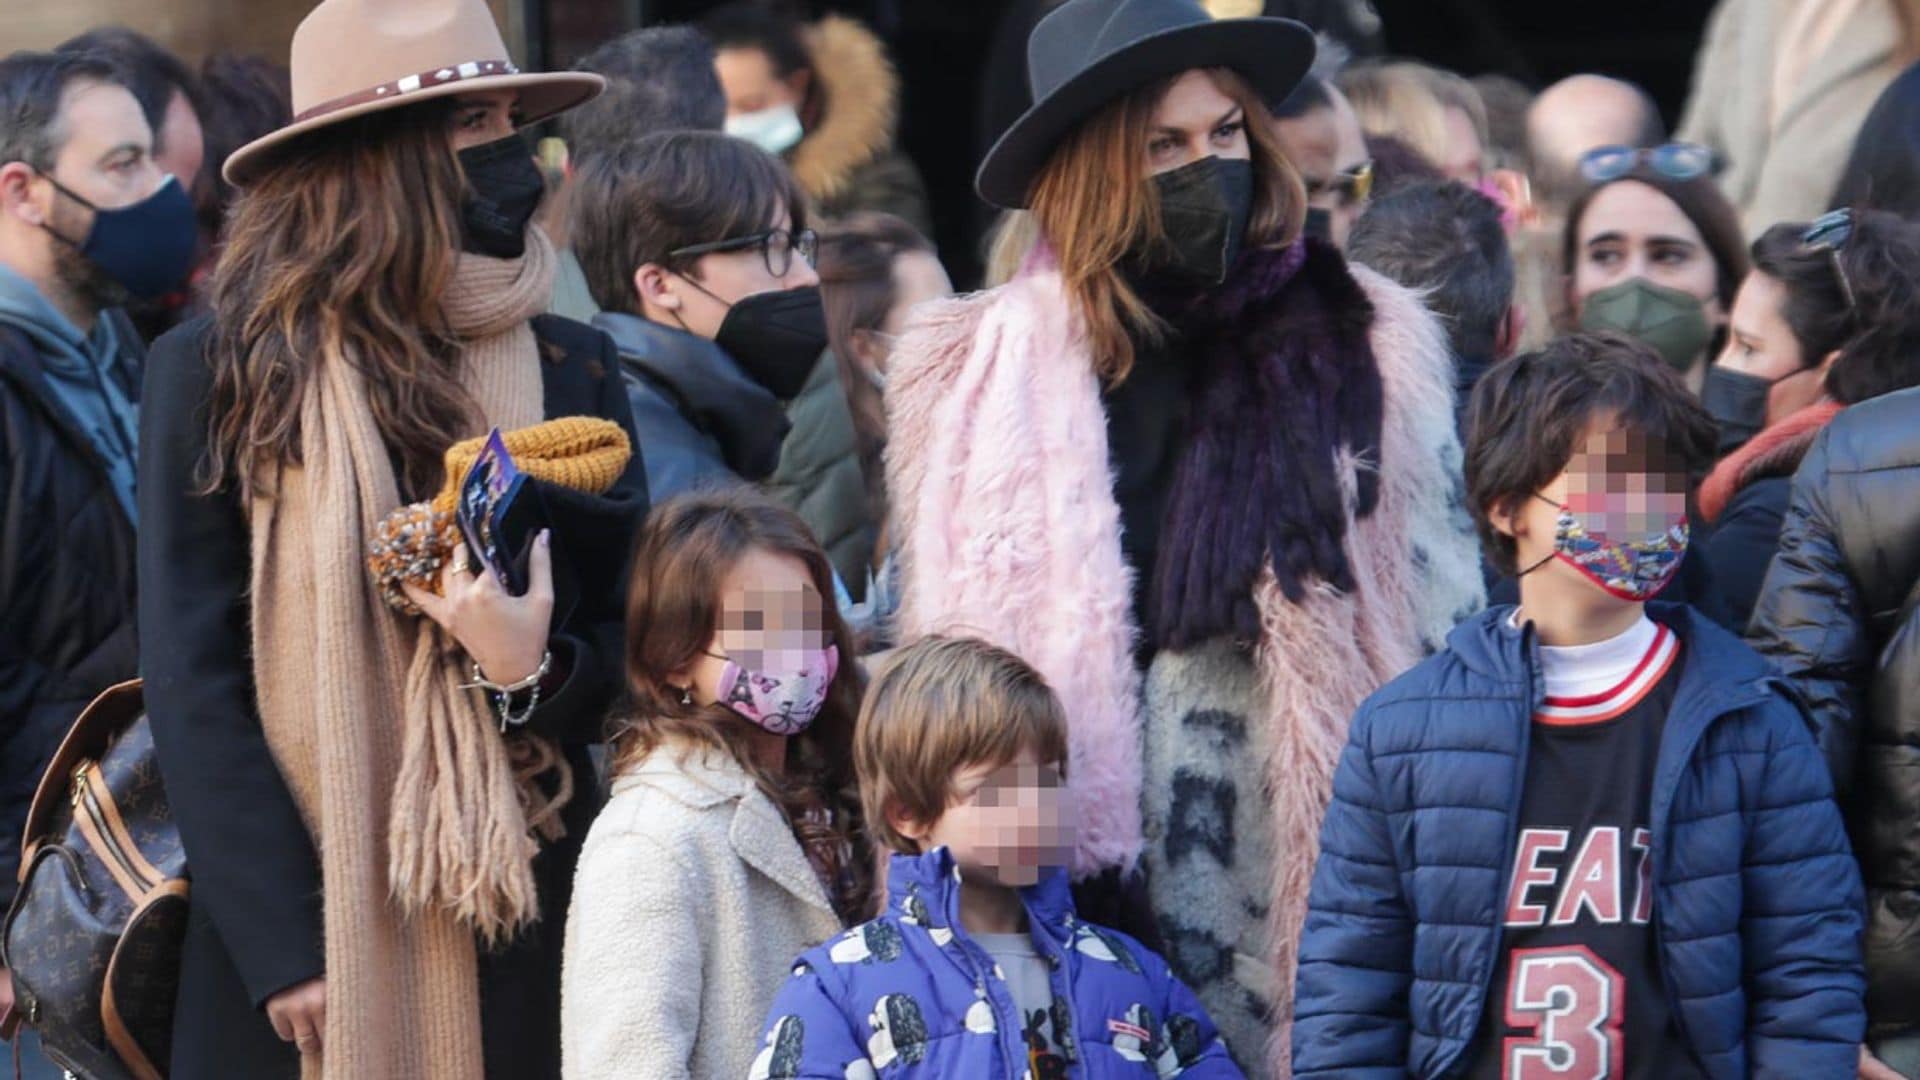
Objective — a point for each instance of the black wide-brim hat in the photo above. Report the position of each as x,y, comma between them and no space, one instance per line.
1089,52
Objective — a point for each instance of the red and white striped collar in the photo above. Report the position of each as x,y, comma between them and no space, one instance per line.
1615,699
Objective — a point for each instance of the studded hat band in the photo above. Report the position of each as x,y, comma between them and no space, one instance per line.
472,69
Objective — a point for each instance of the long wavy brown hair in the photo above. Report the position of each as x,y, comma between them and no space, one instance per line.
1095,206
687,549
344,247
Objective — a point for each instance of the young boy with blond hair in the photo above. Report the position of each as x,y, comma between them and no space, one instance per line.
979,965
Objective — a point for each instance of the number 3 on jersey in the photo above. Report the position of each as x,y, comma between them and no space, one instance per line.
1575,1004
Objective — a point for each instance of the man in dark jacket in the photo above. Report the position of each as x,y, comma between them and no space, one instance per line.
696,247
1839,616
73,143
1591,837
1444,240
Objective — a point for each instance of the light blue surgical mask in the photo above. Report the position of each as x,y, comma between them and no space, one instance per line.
774,129
878,376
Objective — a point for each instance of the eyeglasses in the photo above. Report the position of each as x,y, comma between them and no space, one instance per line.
1676,161
777,248
1829,233
1352,186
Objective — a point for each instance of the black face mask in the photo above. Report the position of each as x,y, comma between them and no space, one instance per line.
504,188
1319,223
1737,402
1204,208
776,337
147,248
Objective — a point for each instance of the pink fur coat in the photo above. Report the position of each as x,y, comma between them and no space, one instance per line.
1001,485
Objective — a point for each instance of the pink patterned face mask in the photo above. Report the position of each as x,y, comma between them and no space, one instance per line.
784,701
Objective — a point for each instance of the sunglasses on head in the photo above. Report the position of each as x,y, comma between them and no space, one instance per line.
1676,161
1829,233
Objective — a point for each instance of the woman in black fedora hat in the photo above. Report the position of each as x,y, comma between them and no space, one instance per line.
376,748
1195,468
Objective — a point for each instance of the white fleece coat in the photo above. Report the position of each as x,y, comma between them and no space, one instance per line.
691,902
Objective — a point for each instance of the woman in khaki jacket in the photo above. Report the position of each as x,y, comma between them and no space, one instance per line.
1780,90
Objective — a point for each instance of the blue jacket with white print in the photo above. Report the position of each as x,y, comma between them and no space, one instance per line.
910,994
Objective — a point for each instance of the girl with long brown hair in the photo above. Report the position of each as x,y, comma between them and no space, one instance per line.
733,840
1198,471
376,751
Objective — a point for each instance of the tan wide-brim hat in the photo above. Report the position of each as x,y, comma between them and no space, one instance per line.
354,57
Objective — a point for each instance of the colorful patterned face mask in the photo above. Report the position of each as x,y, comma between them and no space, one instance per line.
1631,567
782,702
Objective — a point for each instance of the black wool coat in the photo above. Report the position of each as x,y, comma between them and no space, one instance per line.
256,925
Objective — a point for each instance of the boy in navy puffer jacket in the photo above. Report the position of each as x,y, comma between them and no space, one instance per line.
1591,837
979,967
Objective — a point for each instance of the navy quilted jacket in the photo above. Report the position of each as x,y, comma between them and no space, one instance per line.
910,995
1757,900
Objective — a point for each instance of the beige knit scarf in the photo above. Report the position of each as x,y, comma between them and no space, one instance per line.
402,777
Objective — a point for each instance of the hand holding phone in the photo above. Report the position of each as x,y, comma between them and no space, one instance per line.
506,635
498,602
500,513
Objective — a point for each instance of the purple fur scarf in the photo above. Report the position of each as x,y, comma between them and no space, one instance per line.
1285,382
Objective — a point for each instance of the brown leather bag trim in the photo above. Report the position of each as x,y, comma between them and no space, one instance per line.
108,715
135,890
118,1036
117,829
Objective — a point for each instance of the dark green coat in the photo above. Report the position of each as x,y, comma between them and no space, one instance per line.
820,478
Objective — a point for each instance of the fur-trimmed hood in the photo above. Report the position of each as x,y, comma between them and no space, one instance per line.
854,105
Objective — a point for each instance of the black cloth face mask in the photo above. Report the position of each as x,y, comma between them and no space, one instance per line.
1737,402
1319,224
775,337
504,188
1204,210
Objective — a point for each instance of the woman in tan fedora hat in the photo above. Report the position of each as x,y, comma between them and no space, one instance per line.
381,808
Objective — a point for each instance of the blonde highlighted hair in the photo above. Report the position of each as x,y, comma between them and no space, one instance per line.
939,706
1406,100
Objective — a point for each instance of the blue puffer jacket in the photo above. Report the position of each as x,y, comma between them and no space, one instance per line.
1757,901
911,995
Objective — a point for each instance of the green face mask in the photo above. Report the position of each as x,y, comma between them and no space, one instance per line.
1671,321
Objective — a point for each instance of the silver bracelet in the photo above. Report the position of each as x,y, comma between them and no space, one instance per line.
503,693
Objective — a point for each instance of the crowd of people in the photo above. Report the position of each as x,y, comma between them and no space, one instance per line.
1394,574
